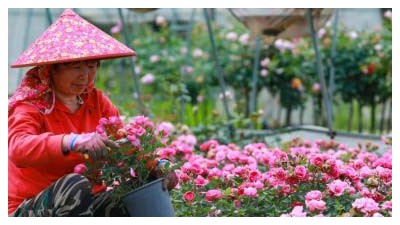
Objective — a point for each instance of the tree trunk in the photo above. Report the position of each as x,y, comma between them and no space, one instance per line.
382,122
301,115
288,116
279,113
373,118
389,122
320,114
360,118
315,114
350,124
246,102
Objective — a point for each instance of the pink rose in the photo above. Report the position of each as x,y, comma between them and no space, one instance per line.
301,172
313,195
213,194
317,160
368,206
298,212
80,168
337,187
315,205
208,145
254,175
238,203
220,156
250,192
200,181
189,196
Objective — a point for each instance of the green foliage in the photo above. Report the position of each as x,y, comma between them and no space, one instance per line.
187,73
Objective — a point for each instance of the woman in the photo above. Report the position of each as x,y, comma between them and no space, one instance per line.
52,119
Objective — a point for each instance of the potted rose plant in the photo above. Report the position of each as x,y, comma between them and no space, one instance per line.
129,172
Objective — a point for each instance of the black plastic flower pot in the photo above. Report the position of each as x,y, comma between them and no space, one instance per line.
150,200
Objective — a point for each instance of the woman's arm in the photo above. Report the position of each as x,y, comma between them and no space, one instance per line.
27,145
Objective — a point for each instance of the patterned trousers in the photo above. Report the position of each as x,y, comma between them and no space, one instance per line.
71,195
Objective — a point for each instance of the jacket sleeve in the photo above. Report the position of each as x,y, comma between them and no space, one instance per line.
27,145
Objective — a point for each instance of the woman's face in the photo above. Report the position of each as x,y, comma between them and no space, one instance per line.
73,78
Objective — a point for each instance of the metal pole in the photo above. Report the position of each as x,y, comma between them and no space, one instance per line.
220,74
253,94
320,73
48,16
132,65
333,56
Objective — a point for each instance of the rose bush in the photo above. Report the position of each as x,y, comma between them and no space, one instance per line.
300,178
142,144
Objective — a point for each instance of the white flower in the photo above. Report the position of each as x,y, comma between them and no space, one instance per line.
321,33
288,45
284,45
328,23
228,95
231,36
138,69
388,14
279,44
264,72
148,78
244,39
161,21
197,53
187,69
200,98
184,50
154,58
378,47
353,34
316,87
265,62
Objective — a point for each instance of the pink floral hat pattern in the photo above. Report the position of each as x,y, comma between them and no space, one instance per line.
71,38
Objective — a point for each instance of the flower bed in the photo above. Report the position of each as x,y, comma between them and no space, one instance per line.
301,178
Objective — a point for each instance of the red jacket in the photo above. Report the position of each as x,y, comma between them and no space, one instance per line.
35,159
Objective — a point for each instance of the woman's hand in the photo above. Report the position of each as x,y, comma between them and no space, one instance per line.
170,181
92,145
162,171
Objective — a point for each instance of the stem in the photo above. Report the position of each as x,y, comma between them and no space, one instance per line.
253,103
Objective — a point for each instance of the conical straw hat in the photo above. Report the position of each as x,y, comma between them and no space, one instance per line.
71,38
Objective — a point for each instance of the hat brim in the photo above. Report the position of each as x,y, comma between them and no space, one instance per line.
103,57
